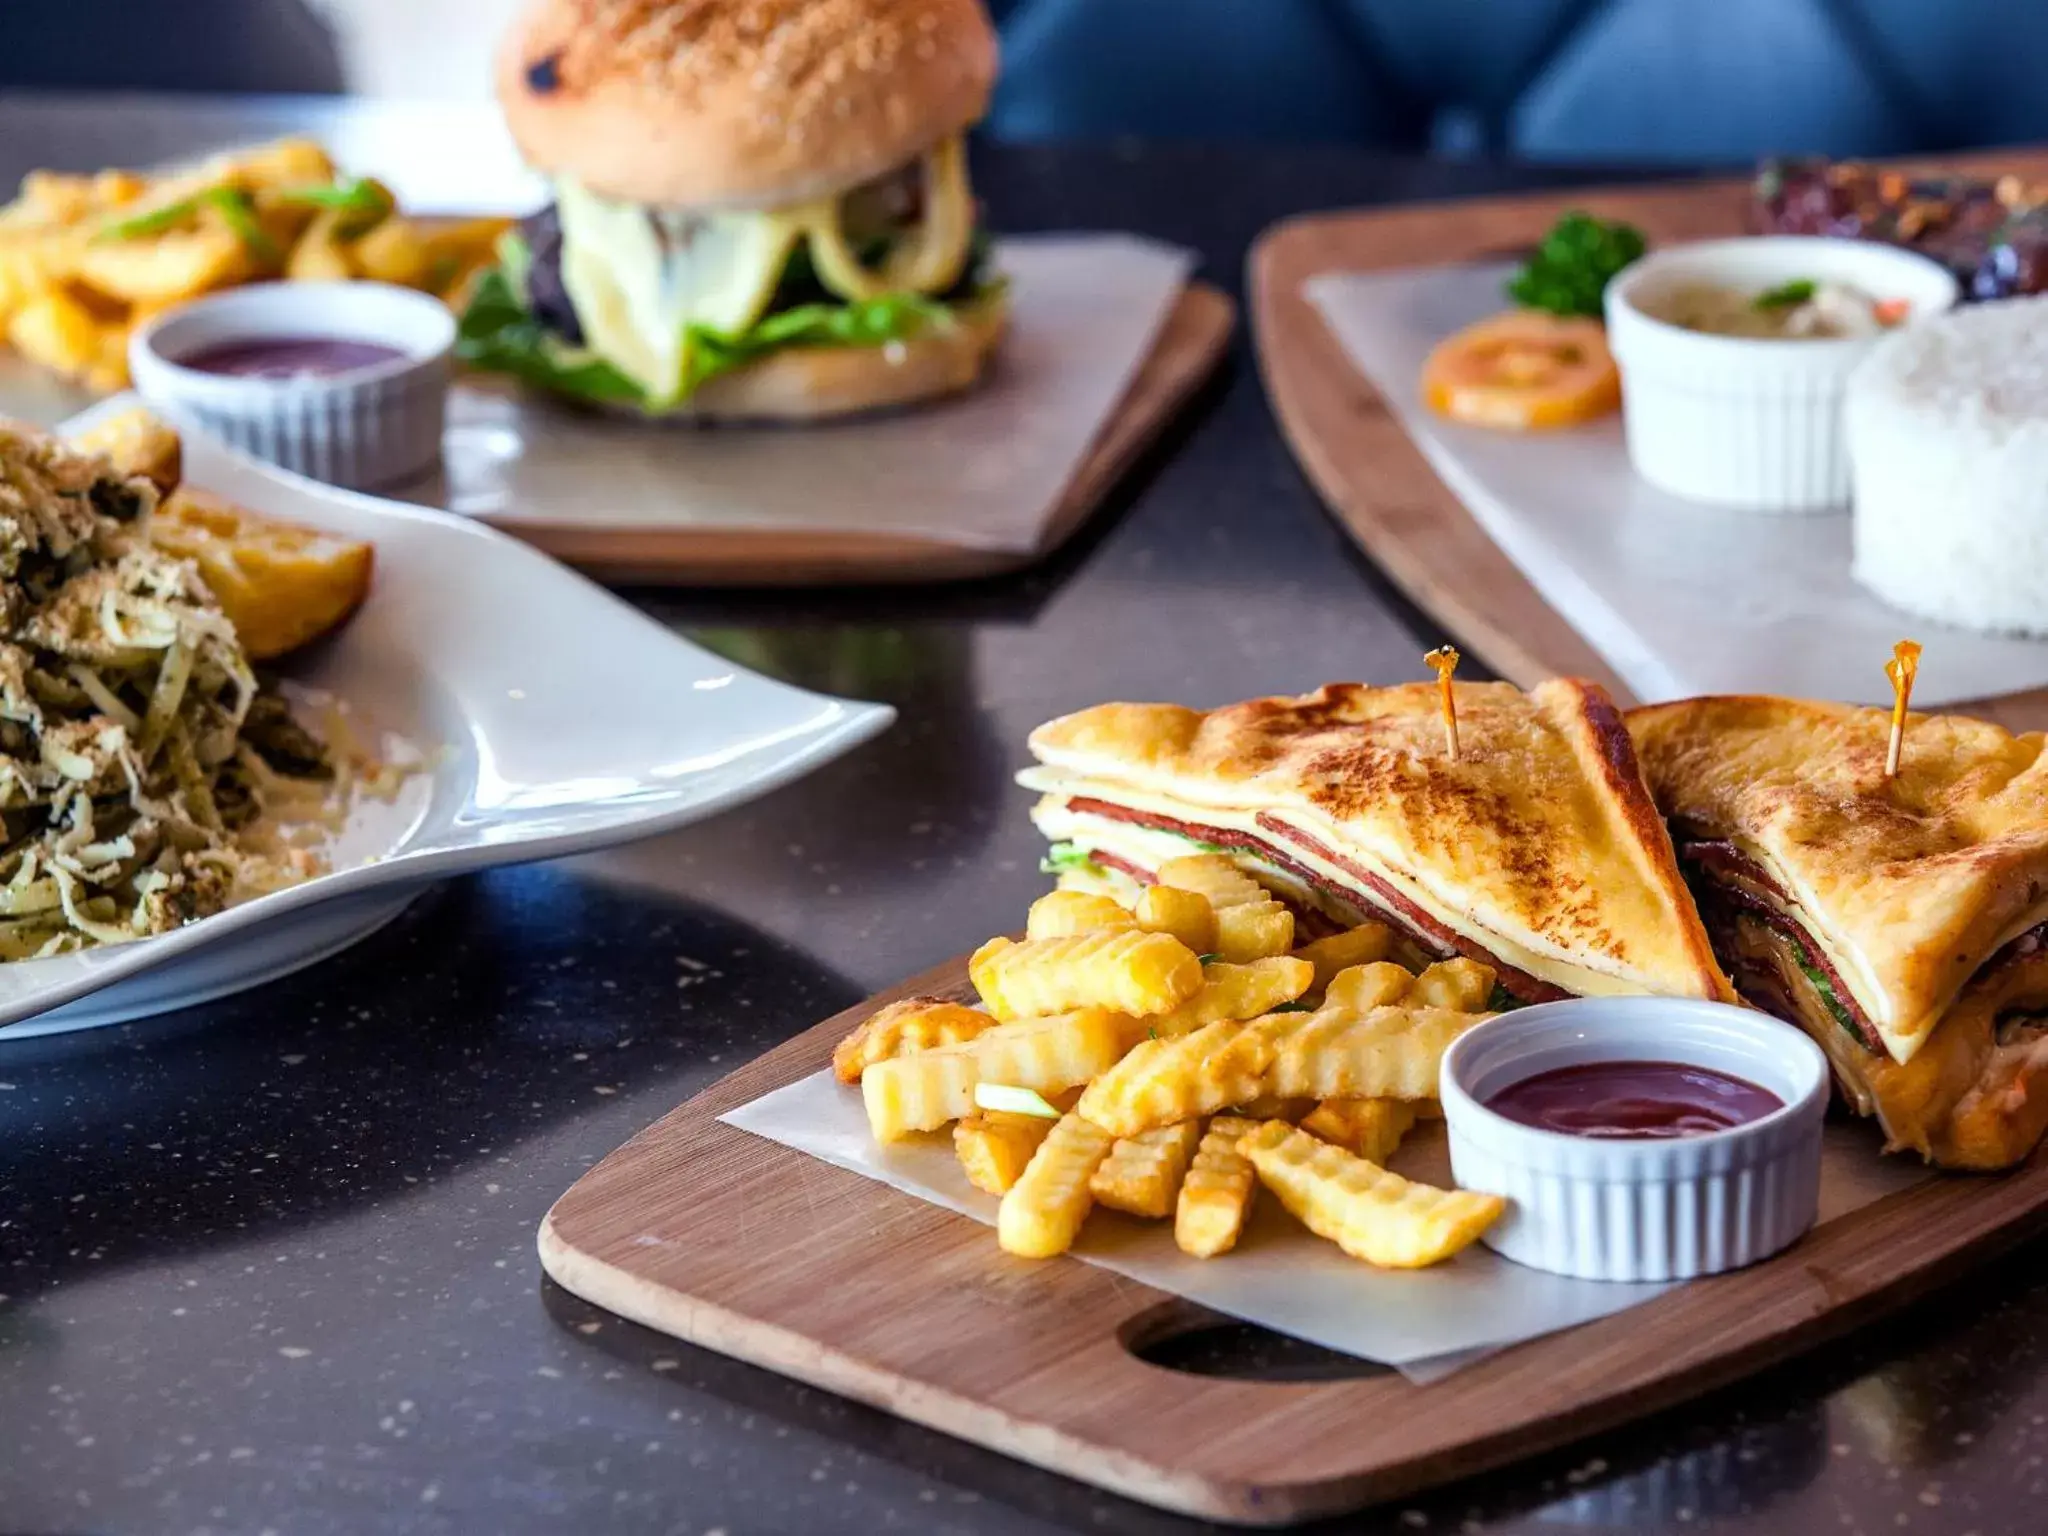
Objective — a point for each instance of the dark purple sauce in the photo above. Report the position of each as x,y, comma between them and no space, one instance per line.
290,357
1634,1100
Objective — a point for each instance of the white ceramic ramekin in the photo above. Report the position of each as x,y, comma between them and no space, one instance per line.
1751,422
366,429
1670,1209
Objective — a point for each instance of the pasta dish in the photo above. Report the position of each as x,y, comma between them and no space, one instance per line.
147,777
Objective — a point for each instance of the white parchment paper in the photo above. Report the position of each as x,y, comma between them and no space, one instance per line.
1426,1323
985,470
1679,598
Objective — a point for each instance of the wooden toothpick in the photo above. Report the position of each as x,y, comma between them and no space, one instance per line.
1444,659
1900,669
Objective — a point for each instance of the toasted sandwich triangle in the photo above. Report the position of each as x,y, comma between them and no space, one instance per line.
1905,886
1539,842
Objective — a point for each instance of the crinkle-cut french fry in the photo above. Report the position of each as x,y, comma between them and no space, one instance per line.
995,1148
1142,1174
1370,1213
1334,1053
1376,984
1367,1128
1187,915
1059,914
1237,992
922,1092
1253,930
1216,1196
1164,1080
1461,983
1270,1106
1214,876
1380,1053
1042,1212
903,1029
1125,969
1341,951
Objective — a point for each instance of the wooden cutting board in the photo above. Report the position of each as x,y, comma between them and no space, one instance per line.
1189,344
757,1251
1374,478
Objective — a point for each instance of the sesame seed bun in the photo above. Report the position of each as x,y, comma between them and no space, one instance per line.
817,383
740,103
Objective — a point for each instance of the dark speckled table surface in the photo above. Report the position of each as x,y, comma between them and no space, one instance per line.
268,1266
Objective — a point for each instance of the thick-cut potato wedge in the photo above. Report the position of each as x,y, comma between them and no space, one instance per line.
1334,1053
165,269
138,443
1367,1128
1341,951
922,1092
1216,1196
1186,915
1061,914
1370,1213
1142,1174
1376,984
396,251
280,585
318,256
903,1029
994,1149
280,163
1042,1213
1124,969
1237,992
1462,984
54,329
1214,876
1253,930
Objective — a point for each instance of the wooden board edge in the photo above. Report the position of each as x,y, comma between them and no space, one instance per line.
791,1354
1320,400
1823,1289
1324,407
1185,352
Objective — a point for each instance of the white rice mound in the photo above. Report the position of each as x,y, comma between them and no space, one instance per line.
1947,429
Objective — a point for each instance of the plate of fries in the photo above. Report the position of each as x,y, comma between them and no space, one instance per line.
1177,1091
84,259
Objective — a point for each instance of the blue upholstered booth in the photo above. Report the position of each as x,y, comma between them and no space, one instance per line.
1688,80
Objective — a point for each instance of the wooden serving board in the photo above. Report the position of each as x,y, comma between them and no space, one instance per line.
1185,352
1370,472
758,1251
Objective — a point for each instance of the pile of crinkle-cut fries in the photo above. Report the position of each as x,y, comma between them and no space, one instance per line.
85,259
1167,1058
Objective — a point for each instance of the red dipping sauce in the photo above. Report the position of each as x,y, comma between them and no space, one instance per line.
1634,1100
290,357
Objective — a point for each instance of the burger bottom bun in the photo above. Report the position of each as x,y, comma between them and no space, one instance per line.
819,383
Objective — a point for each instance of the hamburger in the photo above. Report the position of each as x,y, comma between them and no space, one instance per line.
761,207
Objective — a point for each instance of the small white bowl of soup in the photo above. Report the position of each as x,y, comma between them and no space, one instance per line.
343,382
1638,1138
1735,355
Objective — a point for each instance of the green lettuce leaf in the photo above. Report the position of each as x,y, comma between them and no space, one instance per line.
1062,857
497,333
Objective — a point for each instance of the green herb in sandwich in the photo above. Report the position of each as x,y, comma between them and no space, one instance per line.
1570,270
1070,858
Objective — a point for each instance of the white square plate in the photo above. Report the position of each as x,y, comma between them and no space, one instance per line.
555,719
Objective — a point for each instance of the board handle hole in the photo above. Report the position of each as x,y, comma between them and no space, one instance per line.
1180,1336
